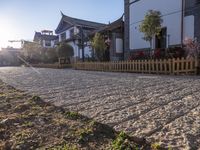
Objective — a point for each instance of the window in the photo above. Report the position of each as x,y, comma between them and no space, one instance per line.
119,45
63,36
161,40
47,43
76,30
71,33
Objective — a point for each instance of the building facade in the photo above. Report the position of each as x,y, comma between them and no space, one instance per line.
114,39
46,38
75,32
181,19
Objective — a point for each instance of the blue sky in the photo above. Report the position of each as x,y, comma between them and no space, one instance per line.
19,19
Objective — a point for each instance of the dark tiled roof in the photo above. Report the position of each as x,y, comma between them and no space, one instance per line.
81,22
39,36
116,24
78,22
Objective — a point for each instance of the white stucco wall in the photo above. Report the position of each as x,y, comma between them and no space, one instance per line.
52,44
87,51
171,11
43,43
59,36
119,45
75,47
189,27
67,32
78,52
76,30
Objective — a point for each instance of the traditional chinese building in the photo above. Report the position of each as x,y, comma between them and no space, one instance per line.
75,32
181,19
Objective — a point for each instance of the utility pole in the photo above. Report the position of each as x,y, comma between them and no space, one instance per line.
182,22
82,44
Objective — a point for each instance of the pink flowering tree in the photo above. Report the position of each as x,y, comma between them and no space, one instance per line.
192,48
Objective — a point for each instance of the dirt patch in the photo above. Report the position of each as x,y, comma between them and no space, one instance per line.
27,122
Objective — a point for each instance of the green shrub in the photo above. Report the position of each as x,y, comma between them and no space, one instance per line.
73,115
122,143
65,51
156,146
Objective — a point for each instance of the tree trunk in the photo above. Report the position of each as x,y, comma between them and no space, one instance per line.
150,49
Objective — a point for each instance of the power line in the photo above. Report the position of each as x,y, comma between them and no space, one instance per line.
189,9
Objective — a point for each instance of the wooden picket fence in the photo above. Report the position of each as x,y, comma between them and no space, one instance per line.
161,66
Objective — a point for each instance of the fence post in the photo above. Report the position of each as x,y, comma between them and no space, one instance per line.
173,65
115,66
149,67
187,66
157,62
165,65
142,65
178,65
182,64
137,65
196,66
130,69
122,65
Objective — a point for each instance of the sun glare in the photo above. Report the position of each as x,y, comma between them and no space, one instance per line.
7,32
2,36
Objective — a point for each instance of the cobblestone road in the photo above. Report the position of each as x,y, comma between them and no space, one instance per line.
164,109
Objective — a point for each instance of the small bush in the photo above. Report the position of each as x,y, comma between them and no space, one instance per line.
64,147
156,146
73,115
85,135
65,51
192,47
122,143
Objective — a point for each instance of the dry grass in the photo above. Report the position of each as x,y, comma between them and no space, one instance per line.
27,122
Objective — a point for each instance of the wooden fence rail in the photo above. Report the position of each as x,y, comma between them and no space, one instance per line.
164,66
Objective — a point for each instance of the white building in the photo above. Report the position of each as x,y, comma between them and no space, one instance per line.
75,32
181,19
46,38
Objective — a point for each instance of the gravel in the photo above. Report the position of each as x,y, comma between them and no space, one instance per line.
163,109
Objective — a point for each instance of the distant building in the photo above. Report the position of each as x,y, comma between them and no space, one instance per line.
46,38
75,32
181,19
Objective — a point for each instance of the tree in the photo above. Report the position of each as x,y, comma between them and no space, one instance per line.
52,55
32,51
151,25
192,47
99,46
65,50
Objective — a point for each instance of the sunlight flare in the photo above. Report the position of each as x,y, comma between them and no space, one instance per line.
7,28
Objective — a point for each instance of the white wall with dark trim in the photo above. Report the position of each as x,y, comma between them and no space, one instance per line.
171,11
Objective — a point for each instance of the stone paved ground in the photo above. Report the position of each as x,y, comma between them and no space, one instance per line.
162,108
